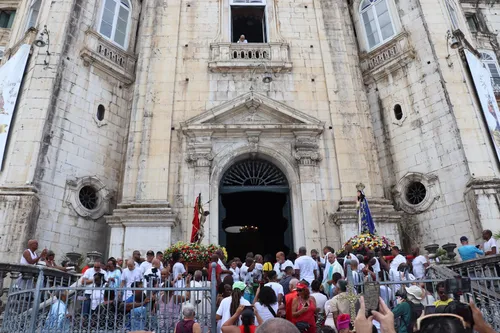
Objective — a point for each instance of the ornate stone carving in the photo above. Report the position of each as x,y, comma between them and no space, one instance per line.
73,188
253,139
199,151
306,148
431,192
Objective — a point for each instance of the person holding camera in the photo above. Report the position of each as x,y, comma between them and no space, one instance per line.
248,315
152,276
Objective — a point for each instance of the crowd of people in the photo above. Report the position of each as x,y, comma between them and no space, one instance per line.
309,290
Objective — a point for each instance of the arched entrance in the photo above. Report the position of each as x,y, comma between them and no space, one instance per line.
255,194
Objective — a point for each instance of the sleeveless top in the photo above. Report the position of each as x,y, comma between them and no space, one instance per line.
184,326
33,256
252,328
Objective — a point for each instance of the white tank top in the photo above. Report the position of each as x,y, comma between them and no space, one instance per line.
33,256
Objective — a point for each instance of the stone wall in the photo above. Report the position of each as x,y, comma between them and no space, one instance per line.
57,142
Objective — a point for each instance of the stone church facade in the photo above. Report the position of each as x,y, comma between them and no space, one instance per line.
131,109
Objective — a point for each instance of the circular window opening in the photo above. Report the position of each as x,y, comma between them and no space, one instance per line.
88,197
398,112
100,112
415,193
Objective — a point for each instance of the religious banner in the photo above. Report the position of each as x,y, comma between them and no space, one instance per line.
484,88
11,75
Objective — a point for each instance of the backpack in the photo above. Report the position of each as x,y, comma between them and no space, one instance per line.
415,312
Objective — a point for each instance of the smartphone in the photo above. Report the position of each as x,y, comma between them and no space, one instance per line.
306,305
430,309
371,295
249,307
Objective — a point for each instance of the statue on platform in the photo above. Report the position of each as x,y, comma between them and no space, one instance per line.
365,220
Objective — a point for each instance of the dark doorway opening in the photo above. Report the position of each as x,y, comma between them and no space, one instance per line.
268,211
249,21
255,194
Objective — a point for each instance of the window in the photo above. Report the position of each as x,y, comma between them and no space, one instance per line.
450,5
415,193
2,51
115,21
377,22
88,197
472,22
33,13
490,61
7,18
100,112
248,18
398,112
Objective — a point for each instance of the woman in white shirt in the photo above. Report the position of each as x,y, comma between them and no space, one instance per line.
229,305
266,303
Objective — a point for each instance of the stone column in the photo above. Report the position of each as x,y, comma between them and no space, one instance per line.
307,156
200,158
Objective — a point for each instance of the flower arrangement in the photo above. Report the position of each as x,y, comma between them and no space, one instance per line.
193,252
362,243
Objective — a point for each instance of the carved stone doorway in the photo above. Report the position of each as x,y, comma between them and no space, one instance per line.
254,209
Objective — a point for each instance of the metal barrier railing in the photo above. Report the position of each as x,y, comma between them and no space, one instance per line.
484,288
37,304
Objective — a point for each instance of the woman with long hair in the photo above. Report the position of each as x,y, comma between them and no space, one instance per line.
248,315
266,303
229,305
303,309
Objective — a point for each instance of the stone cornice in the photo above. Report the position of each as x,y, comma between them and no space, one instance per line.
19,191
142,214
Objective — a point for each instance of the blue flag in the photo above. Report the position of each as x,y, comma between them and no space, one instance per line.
365,217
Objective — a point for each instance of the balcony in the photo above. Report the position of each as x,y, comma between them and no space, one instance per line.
387,58
106,56
225,57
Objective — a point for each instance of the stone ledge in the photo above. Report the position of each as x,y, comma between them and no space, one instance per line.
19,190
142,214
382,212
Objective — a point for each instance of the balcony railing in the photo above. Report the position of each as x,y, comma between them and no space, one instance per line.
108,57
236,56
388,57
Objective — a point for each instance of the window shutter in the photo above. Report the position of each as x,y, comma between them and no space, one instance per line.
35,10
121,26
108,16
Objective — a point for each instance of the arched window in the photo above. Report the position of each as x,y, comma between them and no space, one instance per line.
377,22
490,60
115,21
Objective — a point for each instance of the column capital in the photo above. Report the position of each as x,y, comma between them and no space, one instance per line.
306,148
199,149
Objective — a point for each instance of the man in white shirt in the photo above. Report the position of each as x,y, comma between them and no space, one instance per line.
349,256
145,265
246,271
88,280
398,258
490,245
97,295
305,266
225,271
419,263
130,275
278,288
152,277
281,264
137,258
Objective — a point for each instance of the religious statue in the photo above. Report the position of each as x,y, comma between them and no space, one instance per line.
365,220
201,231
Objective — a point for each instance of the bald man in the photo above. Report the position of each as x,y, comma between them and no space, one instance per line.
152,276
281,264
29,255
277,325
289,298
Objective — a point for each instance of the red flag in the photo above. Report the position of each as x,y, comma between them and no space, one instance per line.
196,220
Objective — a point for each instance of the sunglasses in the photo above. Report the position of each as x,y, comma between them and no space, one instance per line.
300,290
440,316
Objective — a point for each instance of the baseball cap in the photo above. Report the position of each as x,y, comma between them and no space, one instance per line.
301,285
463,239
150,253
239,285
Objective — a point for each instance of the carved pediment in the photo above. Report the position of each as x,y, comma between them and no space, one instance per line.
250,111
